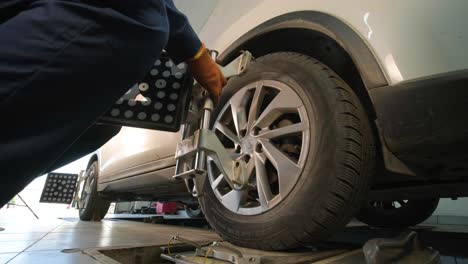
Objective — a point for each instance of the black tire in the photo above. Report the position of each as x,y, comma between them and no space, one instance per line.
96,207
386,215
193,211
335,180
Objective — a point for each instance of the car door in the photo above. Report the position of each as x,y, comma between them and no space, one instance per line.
133,147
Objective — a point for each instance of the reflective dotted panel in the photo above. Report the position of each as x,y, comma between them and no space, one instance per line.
159,101
59,188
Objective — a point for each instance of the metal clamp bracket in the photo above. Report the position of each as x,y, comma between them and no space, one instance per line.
194,151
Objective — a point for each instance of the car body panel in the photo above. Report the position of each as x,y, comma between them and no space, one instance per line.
133,147
153,184
436,47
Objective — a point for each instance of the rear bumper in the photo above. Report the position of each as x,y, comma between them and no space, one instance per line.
425,119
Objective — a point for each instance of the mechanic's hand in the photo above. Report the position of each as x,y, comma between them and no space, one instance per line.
207,73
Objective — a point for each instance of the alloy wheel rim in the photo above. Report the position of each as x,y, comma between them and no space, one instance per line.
265,128
87,189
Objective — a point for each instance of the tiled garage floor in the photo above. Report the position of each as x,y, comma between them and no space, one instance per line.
27,240
42,241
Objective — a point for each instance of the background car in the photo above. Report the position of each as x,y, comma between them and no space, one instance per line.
349,108
137,164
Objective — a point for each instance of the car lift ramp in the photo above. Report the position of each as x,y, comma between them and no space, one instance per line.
402,249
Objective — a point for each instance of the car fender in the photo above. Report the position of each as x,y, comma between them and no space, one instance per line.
408,40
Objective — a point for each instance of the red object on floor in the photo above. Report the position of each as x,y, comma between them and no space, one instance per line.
166,208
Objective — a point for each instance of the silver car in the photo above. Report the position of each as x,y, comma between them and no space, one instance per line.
349,108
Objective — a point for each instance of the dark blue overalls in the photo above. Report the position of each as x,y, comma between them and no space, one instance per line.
62,64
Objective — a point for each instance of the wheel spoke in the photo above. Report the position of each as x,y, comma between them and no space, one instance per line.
401,202
249,169
238,111
284,131
80,203
284,102
85,200
263,186
287,169
233,199
89,185
227,132
256,103
217,181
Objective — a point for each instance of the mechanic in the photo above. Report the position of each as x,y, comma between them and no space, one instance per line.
63,63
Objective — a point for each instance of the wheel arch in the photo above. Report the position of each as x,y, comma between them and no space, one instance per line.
321,36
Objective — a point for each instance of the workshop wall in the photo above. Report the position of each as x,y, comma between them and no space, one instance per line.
197,11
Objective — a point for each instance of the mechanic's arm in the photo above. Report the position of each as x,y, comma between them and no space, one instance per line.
10,8
184,45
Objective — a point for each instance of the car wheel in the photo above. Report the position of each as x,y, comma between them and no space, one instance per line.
193,210
91,206
308,148
397,214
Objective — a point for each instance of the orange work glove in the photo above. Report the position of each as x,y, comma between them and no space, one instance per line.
207,73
